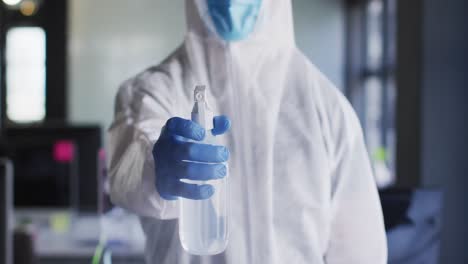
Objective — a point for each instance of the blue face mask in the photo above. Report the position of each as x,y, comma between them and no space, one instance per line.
234,19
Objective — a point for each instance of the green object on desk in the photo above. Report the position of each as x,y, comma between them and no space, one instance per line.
98,254
60,222
102,253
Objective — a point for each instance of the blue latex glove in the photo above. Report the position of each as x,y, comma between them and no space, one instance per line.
175,156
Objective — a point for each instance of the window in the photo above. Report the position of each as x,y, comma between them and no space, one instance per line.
371,80
25,74
33,62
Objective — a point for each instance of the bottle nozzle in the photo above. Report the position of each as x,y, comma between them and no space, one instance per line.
199,93
201,113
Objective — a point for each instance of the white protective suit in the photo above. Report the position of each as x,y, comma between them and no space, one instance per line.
302,189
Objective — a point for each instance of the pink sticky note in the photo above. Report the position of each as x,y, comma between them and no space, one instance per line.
64,151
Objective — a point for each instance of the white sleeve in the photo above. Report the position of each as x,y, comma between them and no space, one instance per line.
139,118
357,233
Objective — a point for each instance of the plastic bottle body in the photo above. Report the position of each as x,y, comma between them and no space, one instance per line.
203,224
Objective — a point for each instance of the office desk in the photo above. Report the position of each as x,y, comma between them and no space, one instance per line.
57,240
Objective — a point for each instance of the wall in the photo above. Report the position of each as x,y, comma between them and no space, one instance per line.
320,34
444,118
433,108
112,40
445,92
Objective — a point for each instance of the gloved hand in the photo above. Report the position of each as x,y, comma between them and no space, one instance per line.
175,158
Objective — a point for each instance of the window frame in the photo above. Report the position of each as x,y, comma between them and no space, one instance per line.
358,69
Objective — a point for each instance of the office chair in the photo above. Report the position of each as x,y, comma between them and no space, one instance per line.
6,210
413,223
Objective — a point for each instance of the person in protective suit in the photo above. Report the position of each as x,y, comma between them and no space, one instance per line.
302,187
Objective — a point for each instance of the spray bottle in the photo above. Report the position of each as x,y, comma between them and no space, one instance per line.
203,224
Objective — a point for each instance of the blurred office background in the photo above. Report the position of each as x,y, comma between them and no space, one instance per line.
402,64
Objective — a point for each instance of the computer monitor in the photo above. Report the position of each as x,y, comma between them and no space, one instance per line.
55,166
6,201
45,173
